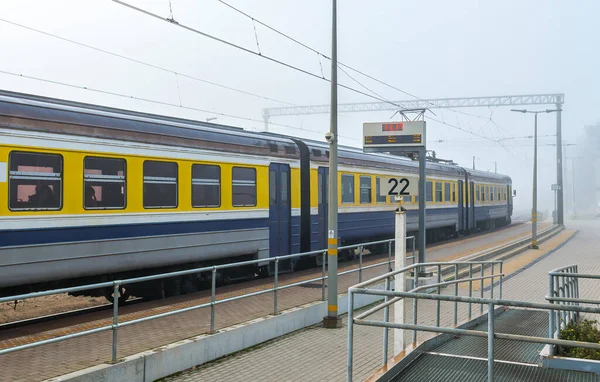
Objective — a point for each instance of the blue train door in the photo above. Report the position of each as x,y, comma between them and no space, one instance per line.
279,210
323,207
461,209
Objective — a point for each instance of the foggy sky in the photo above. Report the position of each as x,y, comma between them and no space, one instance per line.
429,48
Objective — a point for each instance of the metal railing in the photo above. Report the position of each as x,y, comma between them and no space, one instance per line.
563,289
117,284
491,302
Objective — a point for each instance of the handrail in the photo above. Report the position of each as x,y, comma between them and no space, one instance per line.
116,284
563,307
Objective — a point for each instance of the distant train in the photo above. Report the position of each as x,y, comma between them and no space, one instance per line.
94,194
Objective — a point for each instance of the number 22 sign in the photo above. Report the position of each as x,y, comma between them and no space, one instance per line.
398,186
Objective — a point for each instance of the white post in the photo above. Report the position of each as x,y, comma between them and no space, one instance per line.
400,284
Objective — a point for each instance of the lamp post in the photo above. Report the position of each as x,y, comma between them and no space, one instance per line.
534,208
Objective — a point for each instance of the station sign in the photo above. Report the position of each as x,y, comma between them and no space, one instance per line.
393,135
401,186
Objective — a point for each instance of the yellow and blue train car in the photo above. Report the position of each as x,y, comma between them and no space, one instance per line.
89,193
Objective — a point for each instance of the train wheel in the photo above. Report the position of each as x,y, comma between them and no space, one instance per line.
123,295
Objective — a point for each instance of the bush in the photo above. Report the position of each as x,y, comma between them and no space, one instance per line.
585,331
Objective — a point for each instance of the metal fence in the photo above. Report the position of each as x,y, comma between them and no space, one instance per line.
566,286
117,284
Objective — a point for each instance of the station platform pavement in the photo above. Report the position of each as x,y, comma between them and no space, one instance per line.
53,360
318,354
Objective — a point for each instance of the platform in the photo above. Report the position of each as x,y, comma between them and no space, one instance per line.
49,361
318,354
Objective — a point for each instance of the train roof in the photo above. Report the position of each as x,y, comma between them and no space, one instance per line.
38,113
30,112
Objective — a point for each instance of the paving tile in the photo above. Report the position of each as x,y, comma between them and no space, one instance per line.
323,352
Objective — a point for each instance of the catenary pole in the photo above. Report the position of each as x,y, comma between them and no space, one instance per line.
332,320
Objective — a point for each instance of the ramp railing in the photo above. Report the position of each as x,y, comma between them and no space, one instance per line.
568,307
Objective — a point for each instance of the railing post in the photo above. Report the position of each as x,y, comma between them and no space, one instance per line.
386,319
213,298
561,291
568,295
415,302
470,288
390,255
360,255
490,342
455,294
501,278
492,282
439,291
115,325
557,311
323,276
576,291
481,290
350,335
275,285
551,314
414,239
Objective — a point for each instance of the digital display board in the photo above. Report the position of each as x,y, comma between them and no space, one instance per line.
392,139
390,136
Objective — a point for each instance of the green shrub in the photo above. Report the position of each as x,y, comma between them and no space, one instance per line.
585,331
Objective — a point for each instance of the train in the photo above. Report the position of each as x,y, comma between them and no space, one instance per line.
93,194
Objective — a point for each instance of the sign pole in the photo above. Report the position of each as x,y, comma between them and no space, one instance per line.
422,214
332,320
400,283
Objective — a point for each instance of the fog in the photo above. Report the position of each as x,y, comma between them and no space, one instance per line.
431,49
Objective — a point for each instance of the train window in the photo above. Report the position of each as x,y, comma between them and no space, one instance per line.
429,191
438,191
379,198
454,192
35,181
492,192
206,185
477,195
160,184
347,188
284,187
243,187
104,183
447,194
365,189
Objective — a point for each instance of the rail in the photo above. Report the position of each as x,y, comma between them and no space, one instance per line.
563,291
117,284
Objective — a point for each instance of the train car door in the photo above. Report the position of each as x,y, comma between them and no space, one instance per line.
461,208
280,211
323,207
472,198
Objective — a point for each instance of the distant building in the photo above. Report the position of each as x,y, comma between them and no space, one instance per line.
583,194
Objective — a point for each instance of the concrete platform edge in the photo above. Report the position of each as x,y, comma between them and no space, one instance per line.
179,356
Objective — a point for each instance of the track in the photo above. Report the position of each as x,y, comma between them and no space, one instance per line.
257,283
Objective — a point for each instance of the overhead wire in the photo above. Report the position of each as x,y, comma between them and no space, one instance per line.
106,92
121,56
339,63
138,98
269,58
246,50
